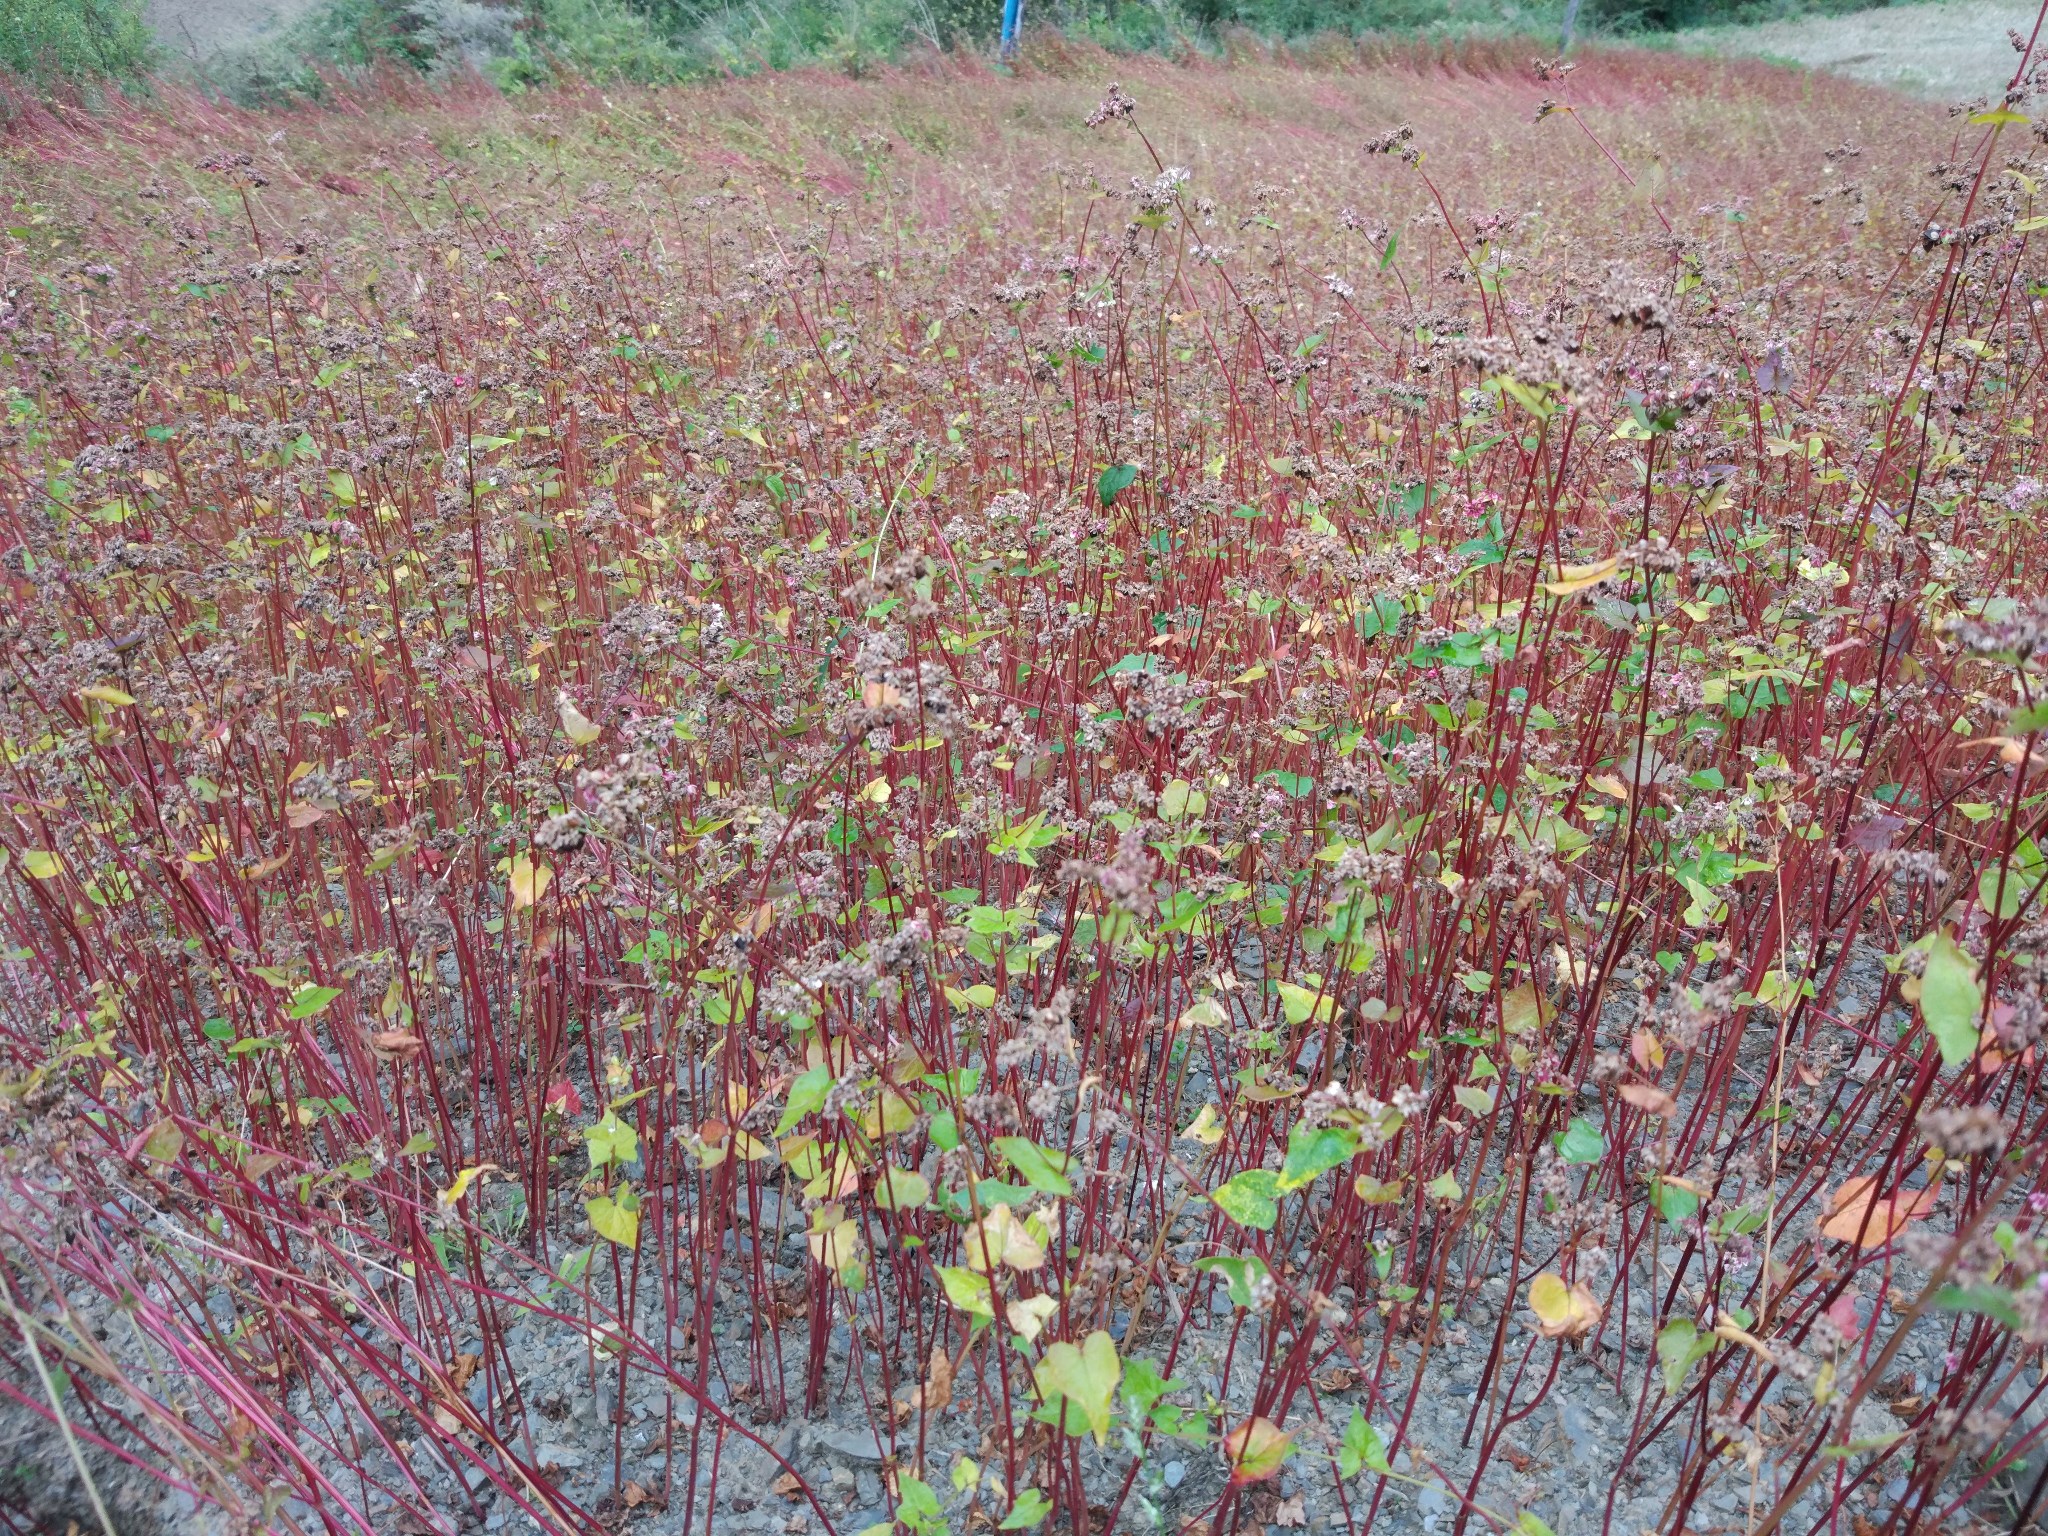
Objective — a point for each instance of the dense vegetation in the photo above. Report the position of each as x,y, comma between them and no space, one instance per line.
51,41
1080,772
519,43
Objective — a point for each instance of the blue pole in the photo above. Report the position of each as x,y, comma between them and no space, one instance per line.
1013,19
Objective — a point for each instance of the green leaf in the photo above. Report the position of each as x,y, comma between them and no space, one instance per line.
967,1290
1476,1100
1250,1199
574,1266
1361,1448
918,1507
1991,1301
309,1000
1084,1379
1036,1164
1030,1508
1581,1142
1674,1202
1387,254
1679,1345
1312,1153
1950,999
806,1096
1144,1386
1999,891
611,1140
1238,1273
1529,1523
1303,1003
1115,481
165,1142
2034,717
898,1189
616,1218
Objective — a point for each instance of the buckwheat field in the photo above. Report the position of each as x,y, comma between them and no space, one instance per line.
1302,793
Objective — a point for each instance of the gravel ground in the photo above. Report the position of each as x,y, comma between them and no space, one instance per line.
1563,1460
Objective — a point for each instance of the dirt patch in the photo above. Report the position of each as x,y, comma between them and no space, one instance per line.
1949,51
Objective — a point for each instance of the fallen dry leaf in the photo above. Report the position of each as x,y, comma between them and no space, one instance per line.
1291,1512
1649,1098
1856,1214
789,1486
937,1390
461,1369
395,1044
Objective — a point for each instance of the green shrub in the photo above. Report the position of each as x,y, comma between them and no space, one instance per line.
597,39
49,40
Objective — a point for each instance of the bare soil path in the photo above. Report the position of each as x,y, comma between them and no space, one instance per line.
1950,50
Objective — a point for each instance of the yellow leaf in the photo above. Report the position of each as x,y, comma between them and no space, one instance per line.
452,1195
1000,1238
1205,1127
1577,578
1574,972
836,1244
1028,1315
105,695
577,726
1562,1311
530,881
1521,1010
41,864
1608,785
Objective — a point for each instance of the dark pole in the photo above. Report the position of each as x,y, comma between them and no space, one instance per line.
1571,15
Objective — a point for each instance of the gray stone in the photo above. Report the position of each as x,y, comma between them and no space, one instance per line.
856,1445
549,1454
1176,1473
